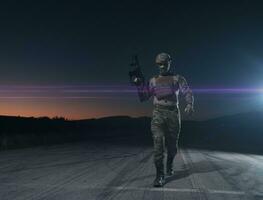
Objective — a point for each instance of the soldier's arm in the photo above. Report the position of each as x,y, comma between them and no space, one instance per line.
186,91
145,91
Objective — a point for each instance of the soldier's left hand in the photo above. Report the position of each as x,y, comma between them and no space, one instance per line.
189,109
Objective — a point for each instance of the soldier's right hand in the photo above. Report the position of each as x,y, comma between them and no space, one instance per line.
137,81
189,109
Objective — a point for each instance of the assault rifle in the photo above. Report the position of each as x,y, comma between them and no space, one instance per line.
136,75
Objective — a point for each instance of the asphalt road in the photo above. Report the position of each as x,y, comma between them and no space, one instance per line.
111,171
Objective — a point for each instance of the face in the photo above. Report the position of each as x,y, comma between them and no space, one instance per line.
164,67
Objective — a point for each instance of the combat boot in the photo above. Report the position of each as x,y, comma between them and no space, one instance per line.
169,172
169,167
159,181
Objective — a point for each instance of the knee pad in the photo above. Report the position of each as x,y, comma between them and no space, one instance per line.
158,141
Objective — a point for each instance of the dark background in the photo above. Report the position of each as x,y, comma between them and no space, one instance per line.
83,44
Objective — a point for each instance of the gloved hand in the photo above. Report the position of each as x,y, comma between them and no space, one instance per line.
189,109
137,81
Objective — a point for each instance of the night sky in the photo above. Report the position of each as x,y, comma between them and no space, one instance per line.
71,58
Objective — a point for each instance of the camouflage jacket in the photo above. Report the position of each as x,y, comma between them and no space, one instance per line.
165,90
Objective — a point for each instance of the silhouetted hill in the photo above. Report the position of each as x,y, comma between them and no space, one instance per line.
121,126
26,131
240,132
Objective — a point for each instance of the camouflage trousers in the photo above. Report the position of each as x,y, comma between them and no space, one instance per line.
165,128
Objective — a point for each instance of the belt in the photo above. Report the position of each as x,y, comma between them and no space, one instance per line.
165,107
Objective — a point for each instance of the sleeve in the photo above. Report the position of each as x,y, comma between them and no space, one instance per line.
146,91
186,91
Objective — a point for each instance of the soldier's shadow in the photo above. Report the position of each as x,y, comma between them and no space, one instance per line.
197,168
186,171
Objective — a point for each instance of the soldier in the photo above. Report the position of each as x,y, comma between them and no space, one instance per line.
166,120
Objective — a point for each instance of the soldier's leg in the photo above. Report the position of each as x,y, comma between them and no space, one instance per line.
171,138
158,142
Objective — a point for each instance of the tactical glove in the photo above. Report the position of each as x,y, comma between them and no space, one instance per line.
189,109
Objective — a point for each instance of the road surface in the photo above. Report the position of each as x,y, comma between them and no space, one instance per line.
83,171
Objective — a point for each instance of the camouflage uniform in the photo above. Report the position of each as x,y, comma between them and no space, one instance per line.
166,120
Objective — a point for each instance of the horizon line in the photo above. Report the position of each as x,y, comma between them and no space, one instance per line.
109,116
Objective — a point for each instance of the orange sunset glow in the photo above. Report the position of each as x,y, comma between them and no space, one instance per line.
70,109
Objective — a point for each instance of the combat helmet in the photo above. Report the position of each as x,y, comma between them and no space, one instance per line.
163,58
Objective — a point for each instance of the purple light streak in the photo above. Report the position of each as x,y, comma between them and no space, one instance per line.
97,91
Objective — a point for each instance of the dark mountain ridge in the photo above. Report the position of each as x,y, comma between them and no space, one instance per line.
240,132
